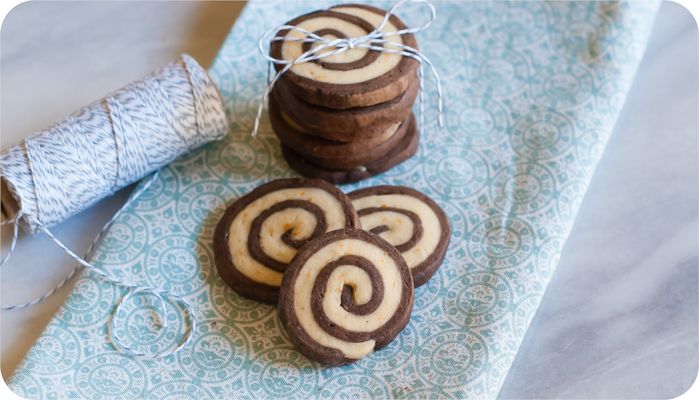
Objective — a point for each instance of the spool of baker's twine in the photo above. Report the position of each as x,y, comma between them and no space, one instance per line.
373,41
103,147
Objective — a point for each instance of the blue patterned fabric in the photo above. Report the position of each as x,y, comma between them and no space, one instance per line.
533,91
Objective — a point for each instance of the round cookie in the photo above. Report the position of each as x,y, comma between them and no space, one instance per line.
356,78
412,222
404,150
345,294
261,232
330,154
347,125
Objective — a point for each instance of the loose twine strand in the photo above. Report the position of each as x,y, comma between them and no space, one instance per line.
146,125
373,41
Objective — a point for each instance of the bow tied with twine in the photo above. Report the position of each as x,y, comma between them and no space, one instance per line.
373,41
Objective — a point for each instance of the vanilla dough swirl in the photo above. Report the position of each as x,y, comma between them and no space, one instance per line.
345,295
261,232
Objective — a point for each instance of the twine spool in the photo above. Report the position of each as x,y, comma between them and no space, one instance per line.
111,143
103,147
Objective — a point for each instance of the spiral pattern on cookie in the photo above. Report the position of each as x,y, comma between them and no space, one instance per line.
410,221
353,66
261,232
345,295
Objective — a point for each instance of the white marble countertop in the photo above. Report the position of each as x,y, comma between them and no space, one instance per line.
619,319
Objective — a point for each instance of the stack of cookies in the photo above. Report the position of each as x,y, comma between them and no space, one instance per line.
348,116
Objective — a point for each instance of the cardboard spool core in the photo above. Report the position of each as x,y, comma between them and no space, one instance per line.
10,206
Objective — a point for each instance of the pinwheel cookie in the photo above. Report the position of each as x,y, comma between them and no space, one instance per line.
403,150
410,221
261,232
357,78
344,295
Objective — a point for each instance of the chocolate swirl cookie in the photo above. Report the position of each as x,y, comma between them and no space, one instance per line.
404,149
356,78
261,232
410,221
345,294
347,125
331,154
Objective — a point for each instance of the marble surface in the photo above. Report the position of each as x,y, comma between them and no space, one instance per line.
619,319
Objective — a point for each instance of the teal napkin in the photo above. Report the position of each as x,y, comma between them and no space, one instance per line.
533,91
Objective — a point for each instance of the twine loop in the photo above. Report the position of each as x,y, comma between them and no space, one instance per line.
373,41
132,288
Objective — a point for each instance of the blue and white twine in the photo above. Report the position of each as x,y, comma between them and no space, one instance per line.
102,148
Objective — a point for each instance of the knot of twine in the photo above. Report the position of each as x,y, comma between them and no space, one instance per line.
373,41
102,148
